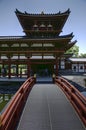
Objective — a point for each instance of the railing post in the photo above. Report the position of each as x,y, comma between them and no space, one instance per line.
35,77
53,78
0,121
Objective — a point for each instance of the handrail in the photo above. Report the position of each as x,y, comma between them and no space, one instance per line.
76,98
9,118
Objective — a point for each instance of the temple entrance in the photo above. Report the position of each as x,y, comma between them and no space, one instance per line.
42,70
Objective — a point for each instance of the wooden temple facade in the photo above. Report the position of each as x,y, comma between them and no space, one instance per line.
39,49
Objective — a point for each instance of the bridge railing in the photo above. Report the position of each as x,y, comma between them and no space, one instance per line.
10,117
75,97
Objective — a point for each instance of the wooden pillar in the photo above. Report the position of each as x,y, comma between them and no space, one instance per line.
56,66
28,67
9,67
2,69
17,72
52,68
84,66
59,62
3,65
78,66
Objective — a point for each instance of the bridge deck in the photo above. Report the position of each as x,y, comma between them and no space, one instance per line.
47,108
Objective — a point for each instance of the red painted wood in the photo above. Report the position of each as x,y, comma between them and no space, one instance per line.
10,116
76,98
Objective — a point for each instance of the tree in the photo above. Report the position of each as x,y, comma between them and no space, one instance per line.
82,55
74,50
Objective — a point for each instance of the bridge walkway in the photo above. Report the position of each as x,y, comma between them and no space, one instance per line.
47,108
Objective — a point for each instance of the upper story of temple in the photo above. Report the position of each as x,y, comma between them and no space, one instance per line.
42,25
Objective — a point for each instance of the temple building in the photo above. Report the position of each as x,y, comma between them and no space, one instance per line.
40,49
77,64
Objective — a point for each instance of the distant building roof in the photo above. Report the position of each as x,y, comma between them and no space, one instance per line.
77,59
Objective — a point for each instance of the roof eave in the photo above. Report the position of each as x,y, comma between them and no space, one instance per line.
42,14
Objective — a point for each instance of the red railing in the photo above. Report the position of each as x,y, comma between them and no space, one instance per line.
75,97
10,117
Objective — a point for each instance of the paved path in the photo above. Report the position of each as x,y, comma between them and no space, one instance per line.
77,79
47,108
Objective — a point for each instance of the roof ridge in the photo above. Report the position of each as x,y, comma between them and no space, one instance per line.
42,13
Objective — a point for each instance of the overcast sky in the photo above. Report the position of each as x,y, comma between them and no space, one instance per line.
76,23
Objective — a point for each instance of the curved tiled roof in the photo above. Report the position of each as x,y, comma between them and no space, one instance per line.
27,20
68,36
42,13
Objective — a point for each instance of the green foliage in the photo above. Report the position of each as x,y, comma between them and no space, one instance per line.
3,100
2,105
82,55
74,50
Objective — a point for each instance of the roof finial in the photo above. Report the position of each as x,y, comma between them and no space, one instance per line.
42,12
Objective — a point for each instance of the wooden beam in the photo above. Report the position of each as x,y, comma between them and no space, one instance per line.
31,51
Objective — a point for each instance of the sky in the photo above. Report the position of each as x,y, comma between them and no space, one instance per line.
76,22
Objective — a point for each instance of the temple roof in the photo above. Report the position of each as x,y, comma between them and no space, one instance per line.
9,38
36,22
42,14
26,45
